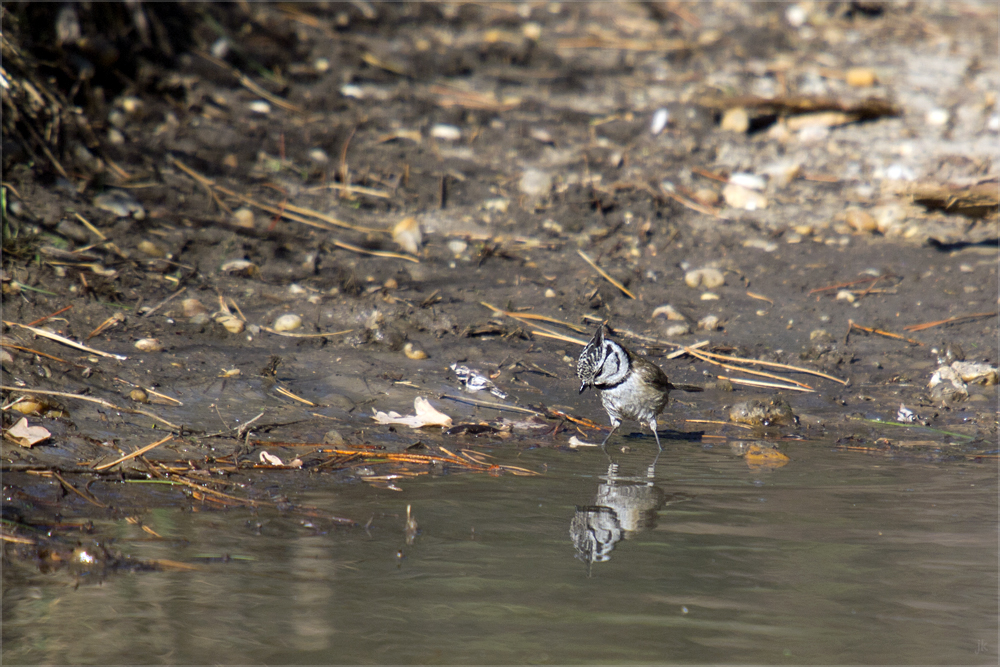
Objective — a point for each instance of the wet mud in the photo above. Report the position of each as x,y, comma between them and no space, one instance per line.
416,183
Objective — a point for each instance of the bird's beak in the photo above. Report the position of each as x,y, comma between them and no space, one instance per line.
583,387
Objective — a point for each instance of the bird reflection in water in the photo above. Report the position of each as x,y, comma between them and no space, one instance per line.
623,506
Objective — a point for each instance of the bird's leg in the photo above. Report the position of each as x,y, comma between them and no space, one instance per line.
615,423
652,425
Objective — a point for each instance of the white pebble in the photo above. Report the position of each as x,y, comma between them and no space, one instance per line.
149,345
407,234
749,181
740,197
709,323
321,65
259,106
937,117
677,330
660,119
671,313
796,15
446,132
351,90
550,293
761,244
243,217
231,323
535,183
708,278
845,295
709,296
287,322
296,289
899,172
457,246
319,156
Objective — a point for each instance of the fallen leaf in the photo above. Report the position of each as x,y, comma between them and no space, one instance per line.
425,415
28,436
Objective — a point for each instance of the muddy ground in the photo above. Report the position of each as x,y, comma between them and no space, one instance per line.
253,170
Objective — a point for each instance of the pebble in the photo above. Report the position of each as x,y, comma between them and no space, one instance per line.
845,295
192,307
761,244
407,234
457,246
550,293
659,122
319,156
709,323
937,117
740,197
239,266
120,203
535,183
735,120
333,437
672,313
139,396
762,413
861,221
708,278
796,15
231,323
707,196
287,322
446,132
199,319
151,249
413,352
860,77
748,181
498,204
709,296
540,135
149,345
259,106
677,330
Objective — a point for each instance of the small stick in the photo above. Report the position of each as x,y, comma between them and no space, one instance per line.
928,325
699,355
558,336
101,236
847,284
760,297
47,317
773,364
851,325
375,253
304,335
759,383
693,205
28,349
285,392
534,316
111,321
605,275
138,452
86,496
89,399
164,302
65,341
495,406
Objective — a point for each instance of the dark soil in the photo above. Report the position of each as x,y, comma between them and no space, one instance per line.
551,107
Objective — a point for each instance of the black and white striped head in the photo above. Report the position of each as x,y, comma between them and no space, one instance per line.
603,363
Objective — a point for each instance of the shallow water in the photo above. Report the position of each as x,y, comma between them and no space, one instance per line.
835,558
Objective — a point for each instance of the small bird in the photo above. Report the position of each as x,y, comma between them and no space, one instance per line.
630,386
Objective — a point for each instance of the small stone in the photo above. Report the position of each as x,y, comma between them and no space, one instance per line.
407,234
937,117
672,313
333,437
740,197
319,156
550,293
659,122
861,221
121,203
709,296
709,323
860,77
708,278
446,132
796,15
748,181
706,196
413,352
239,266
115,137
535,183
541,135
845,295
199,319
151,249
149,345
677,330
259,106
192,307
498,204
231,323
390,284
761,244
457,246
735,120
139,396
287,322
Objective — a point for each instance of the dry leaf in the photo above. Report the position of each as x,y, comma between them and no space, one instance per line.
270,459
425,415
28,436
